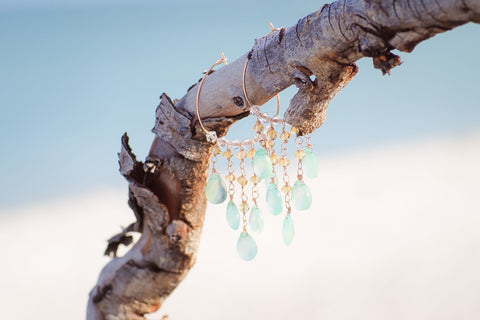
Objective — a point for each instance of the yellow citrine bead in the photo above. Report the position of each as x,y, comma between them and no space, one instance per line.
243,207
286,188
230,177
228,154
271,143
255,179
284,136
271,133
242,180
300,154
274,158
241,154
217,151
294,130
258,127
284,162
251,153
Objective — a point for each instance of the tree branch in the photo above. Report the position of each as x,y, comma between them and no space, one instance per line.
166,193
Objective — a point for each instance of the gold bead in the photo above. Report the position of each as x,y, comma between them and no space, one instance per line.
255,179
300,154
274,158
286,188
284,162
251,153
284,136
243,207
258,127
230,177
242,180
228,154
294,130
241,154
271,143
271,133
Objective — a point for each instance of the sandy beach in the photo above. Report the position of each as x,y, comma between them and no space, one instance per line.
393,233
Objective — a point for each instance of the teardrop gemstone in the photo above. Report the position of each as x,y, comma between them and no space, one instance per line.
310,164
255,220
288,230
301,196
216,190
274,199
246,246
233,215
262,164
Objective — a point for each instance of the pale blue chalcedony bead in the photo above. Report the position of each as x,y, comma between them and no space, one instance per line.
274,199
301,196
255,220
262,164
233,215
288,230
310,163
246,246
216,190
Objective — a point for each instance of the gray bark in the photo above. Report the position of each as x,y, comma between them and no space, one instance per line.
166,192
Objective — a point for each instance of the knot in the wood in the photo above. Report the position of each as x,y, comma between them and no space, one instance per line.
238,101
177,231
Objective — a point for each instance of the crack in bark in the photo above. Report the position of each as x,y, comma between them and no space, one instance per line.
428,12
281,34
440,7
329,17
101,293
395,11
296,32
412,11
340,27
151,267
465,7
265,54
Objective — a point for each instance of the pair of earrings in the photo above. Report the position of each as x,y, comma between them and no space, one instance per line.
266,159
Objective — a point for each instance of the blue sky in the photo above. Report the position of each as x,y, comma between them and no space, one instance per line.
75,75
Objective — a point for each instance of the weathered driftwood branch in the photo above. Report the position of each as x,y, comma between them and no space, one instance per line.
167,192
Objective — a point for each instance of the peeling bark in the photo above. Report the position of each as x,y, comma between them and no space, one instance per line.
166,192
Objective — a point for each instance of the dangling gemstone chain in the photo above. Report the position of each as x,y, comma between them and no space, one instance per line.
264,159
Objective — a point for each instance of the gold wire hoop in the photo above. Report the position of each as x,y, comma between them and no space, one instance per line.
250,105
197,102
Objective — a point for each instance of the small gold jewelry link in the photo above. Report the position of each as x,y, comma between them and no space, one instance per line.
242,180
300,154
287,203
286,179
307,142
255,193
231,173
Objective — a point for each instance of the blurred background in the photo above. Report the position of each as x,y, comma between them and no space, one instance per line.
393,232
